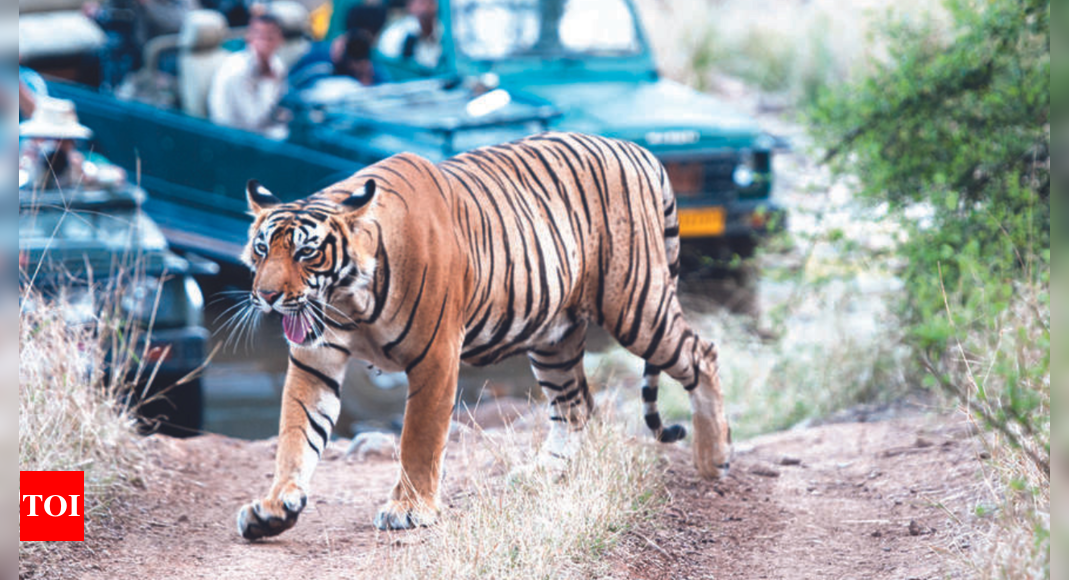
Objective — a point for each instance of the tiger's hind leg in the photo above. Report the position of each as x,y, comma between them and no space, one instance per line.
669,344
654,328
559,371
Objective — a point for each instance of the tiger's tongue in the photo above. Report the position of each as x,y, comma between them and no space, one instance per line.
296,328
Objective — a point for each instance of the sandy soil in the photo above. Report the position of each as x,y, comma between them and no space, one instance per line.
849,500
852,500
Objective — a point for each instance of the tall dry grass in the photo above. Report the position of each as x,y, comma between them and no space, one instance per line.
999,371
530,524
71,411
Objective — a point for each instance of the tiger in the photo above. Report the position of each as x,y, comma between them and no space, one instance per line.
510,249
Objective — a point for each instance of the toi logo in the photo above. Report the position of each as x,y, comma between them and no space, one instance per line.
51,506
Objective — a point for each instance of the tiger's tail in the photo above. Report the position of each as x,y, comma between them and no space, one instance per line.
651,374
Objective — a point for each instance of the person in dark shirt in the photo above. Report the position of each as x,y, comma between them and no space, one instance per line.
349,55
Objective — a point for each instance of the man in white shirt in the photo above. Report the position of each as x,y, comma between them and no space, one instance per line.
416,37
249,84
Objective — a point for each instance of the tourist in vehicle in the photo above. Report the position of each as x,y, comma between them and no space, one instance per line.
416,37
349,55
49,154
246,89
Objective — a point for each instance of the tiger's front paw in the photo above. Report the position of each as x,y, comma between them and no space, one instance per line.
271,517
402,515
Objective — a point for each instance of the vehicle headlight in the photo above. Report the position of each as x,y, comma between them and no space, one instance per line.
743,175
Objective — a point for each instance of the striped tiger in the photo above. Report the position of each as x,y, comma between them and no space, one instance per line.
504,250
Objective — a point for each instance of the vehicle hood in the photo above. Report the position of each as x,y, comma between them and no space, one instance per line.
633,110
434,118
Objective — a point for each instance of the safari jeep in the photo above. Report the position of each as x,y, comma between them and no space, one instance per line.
574,66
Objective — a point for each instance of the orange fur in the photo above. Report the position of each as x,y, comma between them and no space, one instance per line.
505,250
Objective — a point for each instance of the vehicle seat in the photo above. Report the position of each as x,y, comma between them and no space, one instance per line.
293,17
200,54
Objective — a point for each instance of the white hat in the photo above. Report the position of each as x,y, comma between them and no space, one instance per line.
54,119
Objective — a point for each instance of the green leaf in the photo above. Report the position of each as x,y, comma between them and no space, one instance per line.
951,200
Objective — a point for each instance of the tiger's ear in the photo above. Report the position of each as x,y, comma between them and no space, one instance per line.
260,198
360,198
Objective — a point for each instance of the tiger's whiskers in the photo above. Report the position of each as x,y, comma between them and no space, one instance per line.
242,319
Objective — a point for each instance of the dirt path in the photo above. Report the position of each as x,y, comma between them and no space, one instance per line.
851,500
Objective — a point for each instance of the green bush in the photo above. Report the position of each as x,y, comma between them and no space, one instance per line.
963,127
952,133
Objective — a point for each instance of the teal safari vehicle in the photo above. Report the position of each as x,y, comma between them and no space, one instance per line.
572,66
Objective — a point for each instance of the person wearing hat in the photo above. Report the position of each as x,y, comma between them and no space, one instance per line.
50,154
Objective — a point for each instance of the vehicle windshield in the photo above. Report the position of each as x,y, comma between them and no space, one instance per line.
548,29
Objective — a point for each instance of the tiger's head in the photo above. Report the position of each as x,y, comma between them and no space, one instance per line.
303,254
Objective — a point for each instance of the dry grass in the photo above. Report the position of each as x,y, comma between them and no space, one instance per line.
530,524
1001,374
71,417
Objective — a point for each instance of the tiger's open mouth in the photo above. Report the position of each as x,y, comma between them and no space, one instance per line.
300,329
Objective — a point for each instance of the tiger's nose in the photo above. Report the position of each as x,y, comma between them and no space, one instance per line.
268,296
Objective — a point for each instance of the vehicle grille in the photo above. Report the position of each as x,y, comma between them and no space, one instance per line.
712,175
702,176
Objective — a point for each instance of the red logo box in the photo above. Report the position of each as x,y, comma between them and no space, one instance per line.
51,506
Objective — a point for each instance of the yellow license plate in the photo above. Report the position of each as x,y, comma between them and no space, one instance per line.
708,221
